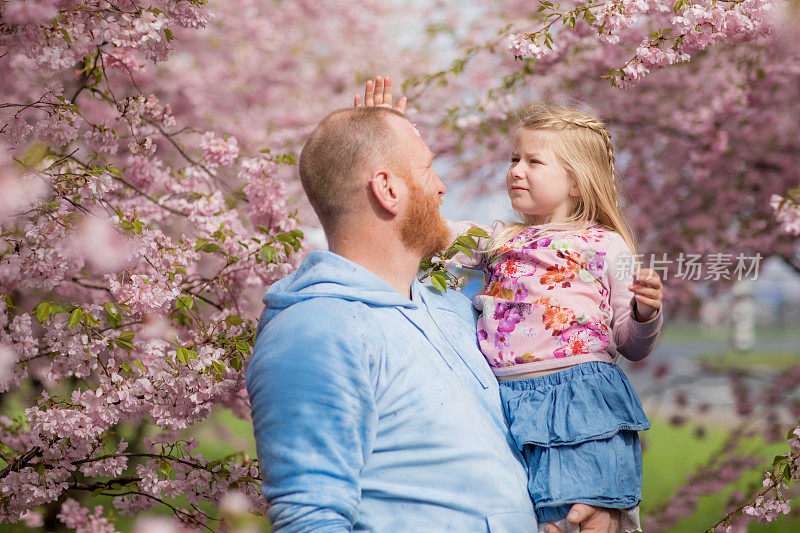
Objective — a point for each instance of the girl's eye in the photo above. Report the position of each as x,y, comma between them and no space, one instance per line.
534,161
514,159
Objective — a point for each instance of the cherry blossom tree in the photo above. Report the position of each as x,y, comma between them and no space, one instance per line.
138,235
147,156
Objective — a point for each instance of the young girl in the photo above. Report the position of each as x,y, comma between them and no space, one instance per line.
556,310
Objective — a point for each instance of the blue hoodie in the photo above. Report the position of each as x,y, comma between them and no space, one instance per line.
373,412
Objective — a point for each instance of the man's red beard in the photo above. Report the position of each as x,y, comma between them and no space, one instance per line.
422,228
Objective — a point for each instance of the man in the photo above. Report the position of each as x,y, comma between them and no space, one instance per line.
372,406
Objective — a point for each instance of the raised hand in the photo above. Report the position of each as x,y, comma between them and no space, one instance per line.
647,292
380,94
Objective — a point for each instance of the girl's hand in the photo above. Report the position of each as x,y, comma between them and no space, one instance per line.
646,290
380,94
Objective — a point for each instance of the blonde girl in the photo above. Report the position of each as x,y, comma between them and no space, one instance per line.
563,299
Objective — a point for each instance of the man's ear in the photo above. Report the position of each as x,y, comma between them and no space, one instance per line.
385,187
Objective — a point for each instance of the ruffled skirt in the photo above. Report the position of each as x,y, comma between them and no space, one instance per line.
577,430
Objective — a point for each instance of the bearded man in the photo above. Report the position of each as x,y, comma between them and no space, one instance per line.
372,406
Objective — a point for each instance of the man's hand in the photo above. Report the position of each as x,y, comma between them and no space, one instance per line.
380,94
591,519
647,290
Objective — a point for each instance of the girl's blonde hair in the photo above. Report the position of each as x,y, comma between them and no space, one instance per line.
583,147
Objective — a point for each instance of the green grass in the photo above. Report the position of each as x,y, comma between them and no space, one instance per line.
755,360
672,454
696,331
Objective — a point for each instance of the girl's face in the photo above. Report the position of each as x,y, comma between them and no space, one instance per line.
537,184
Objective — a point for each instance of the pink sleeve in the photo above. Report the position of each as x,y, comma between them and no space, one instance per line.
460,228
634,340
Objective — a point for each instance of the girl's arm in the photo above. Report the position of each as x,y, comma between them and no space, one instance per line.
635,302
478,258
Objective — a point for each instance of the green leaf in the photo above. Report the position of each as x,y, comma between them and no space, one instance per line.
43,311
439,281
168,34
236,363
75,317
467,241
211,247
200,243
477,232
165,468
269,253
464,249
114,170
182,354
126,335
125,367
126,345
111,309
140,365
297,233
233,320
243,347
186,301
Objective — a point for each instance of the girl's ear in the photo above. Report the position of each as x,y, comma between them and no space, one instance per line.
384,186
573,188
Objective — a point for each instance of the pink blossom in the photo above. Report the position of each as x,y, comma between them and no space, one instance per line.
142,293
102,139
102,244
8,358
787,212
219,151
153,524
33,519
189,15
523,47
19,192
16,131
29,11
58,129
266,193
77,517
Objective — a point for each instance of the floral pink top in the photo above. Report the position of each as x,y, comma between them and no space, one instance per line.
553,302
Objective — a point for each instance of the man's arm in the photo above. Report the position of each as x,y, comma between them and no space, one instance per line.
314,416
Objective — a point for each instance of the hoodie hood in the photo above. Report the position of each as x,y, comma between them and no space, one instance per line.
326,274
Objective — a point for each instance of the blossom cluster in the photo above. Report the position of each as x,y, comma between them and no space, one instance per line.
674,30
123,257
787,213
770,503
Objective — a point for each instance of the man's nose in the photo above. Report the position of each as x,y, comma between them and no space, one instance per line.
442,187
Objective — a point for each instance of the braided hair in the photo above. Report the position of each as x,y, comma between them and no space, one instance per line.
583,147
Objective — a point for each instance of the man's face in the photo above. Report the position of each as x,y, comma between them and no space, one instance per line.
422,228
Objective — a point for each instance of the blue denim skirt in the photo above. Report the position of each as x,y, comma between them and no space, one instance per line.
577,430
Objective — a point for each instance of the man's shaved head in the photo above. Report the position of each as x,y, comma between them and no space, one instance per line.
340,156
